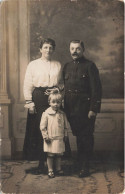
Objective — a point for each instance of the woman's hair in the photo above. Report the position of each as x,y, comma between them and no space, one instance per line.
48,41
56,95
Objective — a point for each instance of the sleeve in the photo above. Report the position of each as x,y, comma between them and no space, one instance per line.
96,88
29,104
43,125
66,125
63,71
28,84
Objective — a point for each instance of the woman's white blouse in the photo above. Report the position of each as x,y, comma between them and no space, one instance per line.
41,73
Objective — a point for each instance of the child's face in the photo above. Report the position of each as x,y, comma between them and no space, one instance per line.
55,103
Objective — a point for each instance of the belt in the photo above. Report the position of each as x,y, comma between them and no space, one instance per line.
44,88
74,91
47,90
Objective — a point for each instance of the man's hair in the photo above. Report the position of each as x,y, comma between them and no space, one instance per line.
48,41
78,41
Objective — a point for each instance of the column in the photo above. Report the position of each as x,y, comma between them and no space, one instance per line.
5,140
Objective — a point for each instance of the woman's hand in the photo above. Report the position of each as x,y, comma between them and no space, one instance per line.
32,110
31,107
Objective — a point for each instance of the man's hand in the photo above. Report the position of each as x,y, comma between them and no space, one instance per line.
32,110
91,114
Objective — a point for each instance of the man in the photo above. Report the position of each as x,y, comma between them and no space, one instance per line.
82,101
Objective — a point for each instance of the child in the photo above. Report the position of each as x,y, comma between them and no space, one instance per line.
54,127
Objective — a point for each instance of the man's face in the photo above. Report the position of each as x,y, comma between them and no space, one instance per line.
76,50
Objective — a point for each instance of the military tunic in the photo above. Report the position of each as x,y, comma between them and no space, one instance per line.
82,94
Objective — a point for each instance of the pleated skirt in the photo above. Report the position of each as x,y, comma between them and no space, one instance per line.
56,146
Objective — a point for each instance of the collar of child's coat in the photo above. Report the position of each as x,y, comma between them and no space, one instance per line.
50,111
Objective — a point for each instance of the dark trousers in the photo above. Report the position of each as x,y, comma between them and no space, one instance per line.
84,150
77,108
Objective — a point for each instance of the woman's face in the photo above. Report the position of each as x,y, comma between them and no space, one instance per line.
47,50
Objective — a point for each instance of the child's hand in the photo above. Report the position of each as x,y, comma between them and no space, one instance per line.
65,138
48,140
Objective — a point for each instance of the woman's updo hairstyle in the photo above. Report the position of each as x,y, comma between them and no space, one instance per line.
48,41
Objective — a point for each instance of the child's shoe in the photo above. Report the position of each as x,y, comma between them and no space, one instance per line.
51,174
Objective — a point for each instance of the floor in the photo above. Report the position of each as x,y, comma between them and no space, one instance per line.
106,177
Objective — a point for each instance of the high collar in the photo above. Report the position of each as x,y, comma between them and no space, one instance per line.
45,60
81,59
50,111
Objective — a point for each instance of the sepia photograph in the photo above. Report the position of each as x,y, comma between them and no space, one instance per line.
62,96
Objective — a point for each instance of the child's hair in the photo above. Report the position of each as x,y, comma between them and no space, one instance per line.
56,94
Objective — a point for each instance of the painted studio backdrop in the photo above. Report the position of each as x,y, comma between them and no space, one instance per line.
99,24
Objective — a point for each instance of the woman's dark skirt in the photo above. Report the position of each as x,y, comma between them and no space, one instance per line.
33,142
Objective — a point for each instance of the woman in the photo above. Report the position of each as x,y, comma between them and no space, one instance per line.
41,75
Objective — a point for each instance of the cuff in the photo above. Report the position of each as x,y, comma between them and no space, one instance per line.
29,105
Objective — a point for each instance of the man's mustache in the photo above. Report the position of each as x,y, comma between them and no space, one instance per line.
75,54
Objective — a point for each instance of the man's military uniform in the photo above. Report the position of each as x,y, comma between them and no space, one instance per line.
82,94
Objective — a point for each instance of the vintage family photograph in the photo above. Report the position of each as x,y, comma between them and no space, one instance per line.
62,96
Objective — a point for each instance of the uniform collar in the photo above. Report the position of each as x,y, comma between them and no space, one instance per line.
50,111
81,59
